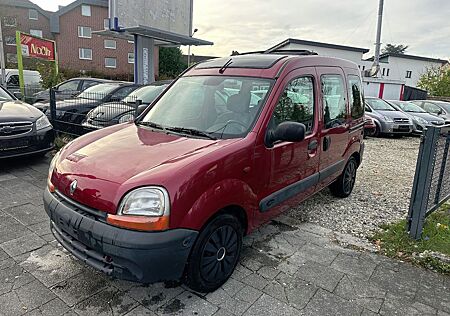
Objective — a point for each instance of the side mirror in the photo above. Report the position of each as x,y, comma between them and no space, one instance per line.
440,112
138,103
286,132
18,95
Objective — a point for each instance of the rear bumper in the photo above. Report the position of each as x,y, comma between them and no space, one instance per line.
145,257
31,144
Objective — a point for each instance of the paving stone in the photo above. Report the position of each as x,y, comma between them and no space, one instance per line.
139,311
21,245
188,304
396,281
322,276
154,296
53,308
79,287
3,255
267,305
51,265
28,214
437,297
294,240
13,278
222,312
109,301
361,292
401,305
441,313
25,298
357,266
256,281
41,228
268,273
235,302
10,228
318,254
366,312
6,176
324,303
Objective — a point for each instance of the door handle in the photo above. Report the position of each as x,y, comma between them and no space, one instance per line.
326,143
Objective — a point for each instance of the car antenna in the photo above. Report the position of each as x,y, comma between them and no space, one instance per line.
225,66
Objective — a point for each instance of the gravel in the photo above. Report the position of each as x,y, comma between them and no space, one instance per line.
381,194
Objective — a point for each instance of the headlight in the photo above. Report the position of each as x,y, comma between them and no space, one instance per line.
420,120
42,122
147,201
388,119
126,118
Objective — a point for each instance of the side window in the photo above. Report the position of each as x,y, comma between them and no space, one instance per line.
13,81
432,108
334,108
356,98
296,104
122,92
88,84
69,86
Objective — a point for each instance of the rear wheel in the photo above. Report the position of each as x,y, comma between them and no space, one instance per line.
343,186
215,254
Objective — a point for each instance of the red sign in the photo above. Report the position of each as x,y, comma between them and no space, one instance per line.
37,47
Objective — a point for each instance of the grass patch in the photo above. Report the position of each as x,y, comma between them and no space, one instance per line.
395,242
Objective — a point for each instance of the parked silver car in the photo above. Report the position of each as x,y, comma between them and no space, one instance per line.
421,119
439,108
388,120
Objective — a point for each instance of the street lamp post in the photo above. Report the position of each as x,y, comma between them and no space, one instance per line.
189,50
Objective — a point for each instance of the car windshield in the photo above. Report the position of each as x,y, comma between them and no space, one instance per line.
410,107
97,92
210,106
145,94
4,96
445,105
379,105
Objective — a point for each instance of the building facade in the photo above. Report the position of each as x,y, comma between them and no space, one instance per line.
73,28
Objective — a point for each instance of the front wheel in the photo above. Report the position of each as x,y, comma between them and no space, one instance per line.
215,254
344,184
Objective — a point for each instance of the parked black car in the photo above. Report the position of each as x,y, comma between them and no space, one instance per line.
24,130
66,89
71,113
135,103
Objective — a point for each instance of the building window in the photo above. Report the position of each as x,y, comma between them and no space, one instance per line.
384,71
10,21
11,58
85,32
86,10
110,62
408,74
37,33
131,58
364,68
110,44
106,24
387,73
33,14
85,53
10,40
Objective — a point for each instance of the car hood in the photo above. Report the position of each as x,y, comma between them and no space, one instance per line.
76,102
11,111
426,116
392,114
110,162
109,111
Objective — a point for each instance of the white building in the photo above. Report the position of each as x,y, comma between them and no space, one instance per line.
394,67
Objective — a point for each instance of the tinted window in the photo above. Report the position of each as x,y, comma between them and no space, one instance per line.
296,104
356,98
69,86
122,92
334,108
88,83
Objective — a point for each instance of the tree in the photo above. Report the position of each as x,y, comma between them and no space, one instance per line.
394,49
436,81
48,74
171,62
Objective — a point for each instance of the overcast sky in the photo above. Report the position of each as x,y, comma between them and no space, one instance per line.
248,25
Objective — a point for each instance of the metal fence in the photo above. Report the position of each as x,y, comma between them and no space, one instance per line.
431,186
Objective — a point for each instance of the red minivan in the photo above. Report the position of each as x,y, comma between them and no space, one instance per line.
229,145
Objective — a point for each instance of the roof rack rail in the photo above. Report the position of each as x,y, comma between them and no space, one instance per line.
301,52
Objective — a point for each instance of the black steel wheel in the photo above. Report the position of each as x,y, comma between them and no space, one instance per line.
344,184
215,254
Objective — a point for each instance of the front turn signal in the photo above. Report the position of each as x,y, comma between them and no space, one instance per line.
141,223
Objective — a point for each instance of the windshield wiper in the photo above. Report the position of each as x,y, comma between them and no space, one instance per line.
190,131
152,125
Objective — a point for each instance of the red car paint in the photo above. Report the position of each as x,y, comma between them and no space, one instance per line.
204,176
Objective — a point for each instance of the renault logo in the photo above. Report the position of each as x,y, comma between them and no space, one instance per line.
73,186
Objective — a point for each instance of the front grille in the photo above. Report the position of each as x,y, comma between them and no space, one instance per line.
15,128
81,209
401,120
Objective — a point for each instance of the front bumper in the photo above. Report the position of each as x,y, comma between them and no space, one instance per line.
145,257
396,128
35,142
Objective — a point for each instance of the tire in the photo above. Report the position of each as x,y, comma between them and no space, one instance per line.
344,184
215,254
377,131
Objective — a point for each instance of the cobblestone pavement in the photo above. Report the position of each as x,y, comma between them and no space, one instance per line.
287,268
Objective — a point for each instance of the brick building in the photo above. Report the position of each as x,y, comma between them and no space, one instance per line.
25,16
72,28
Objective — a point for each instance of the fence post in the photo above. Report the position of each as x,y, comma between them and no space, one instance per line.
52,106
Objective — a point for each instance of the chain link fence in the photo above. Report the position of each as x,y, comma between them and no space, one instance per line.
431,186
